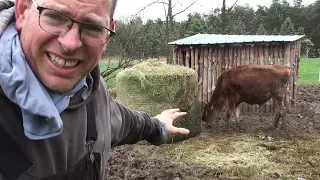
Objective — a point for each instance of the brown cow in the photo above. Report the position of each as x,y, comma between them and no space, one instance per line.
253,84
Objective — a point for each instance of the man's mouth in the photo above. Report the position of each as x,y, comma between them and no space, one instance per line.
61,62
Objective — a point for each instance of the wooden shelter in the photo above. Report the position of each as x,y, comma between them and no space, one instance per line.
211,54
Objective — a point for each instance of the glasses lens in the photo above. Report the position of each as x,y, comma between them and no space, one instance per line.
94,35
57,23
54,22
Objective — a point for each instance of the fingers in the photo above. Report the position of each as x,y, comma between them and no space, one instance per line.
168,116
178,114
171,111
175,130
175,112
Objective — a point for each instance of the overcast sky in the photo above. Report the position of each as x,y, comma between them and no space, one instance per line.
126,8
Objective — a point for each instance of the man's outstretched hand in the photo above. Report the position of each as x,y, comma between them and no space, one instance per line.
168,116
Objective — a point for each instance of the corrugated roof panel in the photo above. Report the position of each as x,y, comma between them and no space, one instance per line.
231,39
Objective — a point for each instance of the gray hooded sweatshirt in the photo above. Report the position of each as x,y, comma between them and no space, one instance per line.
115,124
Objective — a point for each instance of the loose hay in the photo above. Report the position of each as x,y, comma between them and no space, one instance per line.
154,86
244,156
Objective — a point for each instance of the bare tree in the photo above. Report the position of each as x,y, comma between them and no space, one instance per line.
224,18
128,33
168,7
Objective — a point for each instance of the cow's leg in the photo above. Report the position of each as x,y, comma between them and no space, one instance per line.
283,112
279,110
230,109
237,113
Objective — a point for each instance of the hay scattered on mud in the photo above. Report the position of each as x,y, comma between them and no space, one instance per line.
245,156
254,153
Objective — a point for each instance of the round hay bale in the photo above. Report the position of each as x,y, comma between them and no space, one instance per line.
154,86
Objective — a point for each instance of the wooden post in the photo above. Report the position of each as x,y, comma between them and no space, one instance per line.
205,74
274,54
196,60
175,55
230,57
281,53
297,60
187,63
180,57
247,60
215,67
267,55
286,62
192,57
252,55
287,54
226,58
201,51
220,60
293,69
261,54
210,72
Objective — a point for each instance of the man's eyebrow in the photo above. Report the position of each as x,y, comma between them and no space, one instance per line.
94,19
89,19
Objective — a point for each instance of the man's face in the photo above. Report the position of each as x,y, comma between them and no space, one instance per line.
61,61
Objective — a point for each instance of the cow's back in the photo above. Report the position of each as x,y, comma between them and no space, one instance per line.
255,84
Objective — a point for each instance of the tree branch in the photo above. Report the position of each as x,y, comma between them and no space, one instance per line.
150,4
185,8
232,6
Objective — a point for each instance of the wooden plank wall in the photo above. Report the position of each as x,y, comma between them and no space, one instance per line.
209,61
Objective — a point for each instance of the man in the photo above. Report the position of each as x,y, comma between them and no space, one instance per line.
57,120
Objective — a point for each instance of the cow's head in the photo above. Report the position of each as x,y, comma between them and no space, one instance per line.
209,112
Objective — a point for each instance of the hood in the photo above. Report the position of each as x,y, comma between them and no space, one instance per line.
6,14
7,17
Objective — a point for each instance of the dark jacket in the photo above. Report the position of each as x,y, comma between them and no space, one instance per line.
115,125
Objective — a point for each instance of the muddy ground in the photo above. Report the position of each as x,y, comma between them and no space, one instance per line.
148,162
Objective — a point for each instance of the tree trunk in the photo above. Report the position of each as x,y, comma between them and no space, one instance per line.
169,28
223,18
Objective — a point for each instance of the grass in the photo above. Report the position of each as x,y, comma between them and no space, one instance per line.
111,81
309,71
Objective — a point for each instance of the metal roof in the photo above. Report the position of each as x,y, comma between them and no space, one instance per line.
232,39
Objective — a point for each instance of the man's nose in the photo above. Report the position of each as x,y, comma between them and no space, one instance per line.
70,40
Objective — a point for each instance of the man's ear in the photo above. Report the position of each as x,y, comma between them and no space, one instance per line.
114,24
20,12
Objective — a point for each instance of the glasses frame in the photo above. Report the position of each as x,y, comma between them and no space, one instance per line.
73,21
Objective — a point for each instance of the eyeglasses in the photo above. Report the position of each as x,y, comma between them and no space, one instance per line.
58,23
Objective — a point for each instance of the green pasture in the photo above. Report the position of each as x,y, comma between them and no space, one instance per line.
309,71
